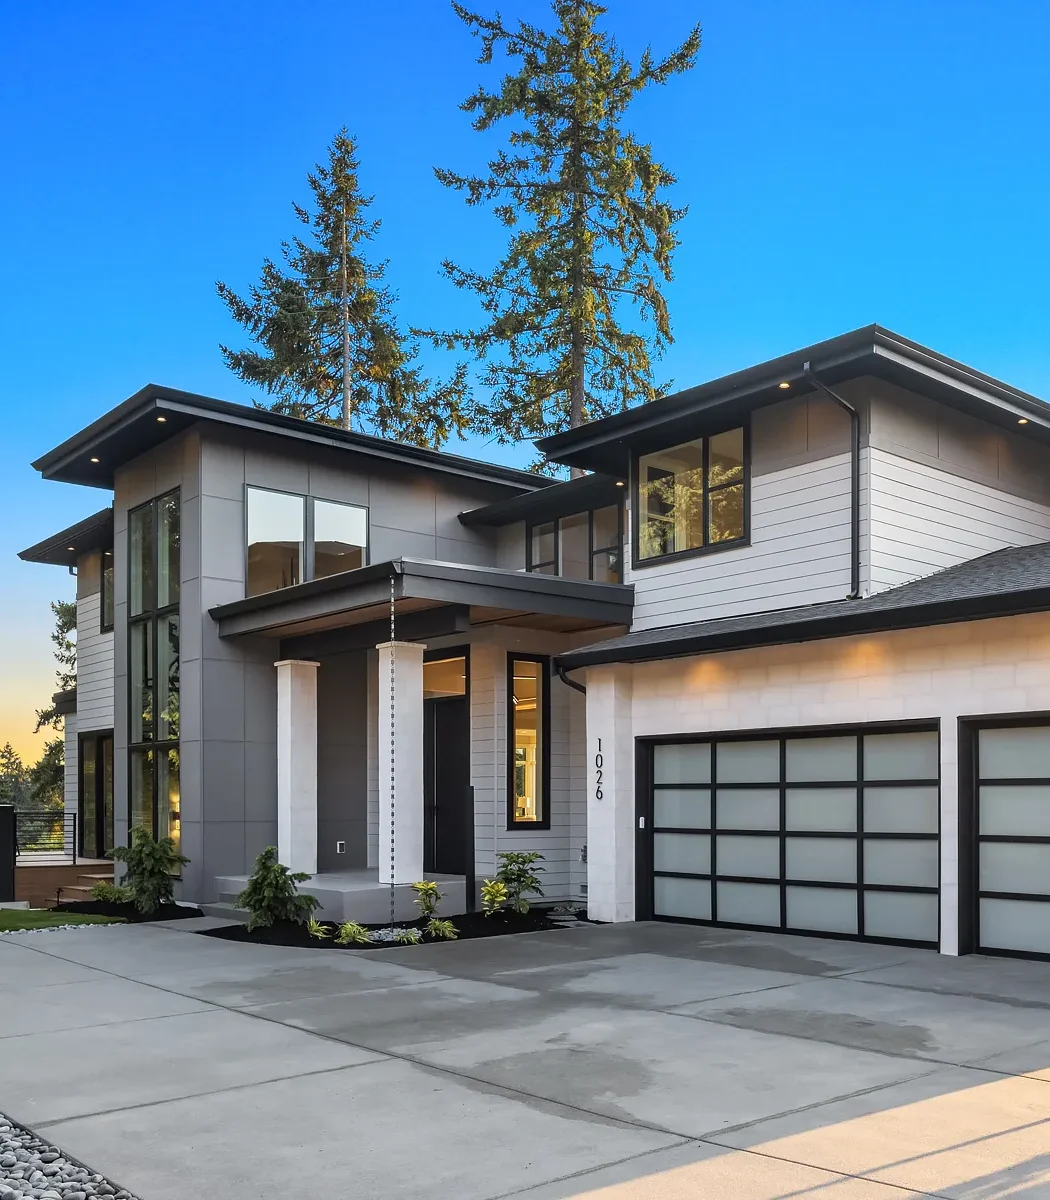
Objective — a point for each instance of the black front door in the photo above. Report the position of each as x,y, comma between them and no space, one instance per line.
96,794
448,845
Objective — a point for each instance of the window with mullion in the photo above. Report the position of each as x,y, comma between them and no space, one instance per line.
153,666
583,545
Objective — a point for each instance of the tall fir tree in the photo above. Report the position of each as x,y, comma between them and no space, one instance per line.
62,637
591,235
329,346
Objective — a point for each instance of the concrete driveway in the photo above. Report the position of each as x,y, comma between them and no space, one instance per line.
621,1062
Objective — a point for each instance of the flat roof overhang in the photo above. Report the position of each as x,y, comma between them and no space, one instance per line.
155,414
62,549
561,500
608,445
487,595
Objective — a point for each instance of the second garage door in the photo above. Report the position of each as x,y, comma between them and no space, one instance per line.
811,833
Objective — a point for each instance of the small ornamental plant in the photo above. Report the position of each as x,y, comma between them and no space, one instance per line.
519,875
428,897
493,896
273,895
444,930
151,867
350,933
406,936
317,930
111,893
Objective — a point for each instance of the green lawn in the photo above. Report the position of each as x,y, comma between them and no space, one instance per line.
43,918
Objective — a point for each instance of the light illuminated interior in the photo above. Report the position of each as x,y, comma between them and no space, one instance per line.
526,724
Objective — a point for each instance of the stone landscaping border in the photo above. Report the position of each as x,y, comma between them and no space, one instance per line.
32,1169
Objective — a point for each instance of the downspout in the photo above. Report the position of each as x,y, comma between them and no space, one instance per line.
854,515
563,676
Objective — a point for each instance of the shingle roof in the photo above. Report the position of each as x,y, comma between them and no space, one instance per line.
1003,583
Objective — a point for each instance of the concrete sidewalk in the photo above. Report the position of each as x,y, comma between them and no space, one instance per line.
624,1062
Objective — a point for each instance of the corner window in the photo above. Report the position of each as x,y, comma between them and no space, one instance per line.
584,545
294,538
528,742
106,599
153,666
692,497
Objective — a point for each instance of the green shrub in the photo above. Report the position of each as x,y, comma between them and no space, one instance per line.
272,894
317,930
407,937
437,928
351,933
151,867
493,896
428,897
111,893
518,874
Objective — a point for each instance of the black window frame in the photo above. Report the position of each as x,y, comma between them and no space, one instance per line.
637,562
152,618
107,594
545,735
533,567
98,738
309,501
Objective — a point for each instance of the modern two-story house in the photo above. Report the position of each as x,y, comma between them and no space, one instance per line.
779,660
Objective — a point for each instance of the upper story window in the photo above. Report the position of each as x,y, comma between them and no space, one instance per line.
293,538
585,545
106,599
692,497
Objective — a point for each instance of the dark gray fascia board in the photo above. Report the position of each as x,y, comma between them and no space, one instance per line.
446,621
65,702
133,427
62,549
417,579
807,626
608,444
566,497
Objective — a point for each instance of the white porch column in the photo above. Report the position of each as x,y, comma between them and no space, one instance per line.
406,797
297,764
610,795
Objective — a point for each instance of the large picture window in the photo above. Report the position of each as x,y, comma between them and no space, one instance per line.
692,497
293,538
584,545
153,666
528,742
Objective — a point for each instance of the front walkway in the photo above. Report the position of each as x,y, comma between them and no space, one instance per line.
646,1062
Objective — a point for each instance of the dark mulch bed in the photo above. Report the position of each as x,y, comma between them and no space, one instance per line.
469,925
105,908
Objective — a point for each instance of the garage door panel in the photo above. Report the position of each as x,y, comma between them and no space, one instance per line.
898,863
1019,925
748,762
1015,753
901,916
689,899
752,856
748,808
901,810
748,903
821,759
682,763
901,756
1015,867
827,910
830,859
817,809
682,808
1017,811
688,853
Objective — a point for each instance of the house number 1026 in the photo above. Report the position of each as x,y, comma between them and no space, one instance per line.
598,763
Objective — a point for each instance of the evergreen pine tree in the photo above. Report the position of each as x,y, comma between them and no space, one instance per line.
330,348
590,232
65,612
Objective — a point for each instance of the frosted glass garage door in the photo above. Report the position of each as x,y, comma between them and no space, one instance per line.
1013,839
831,833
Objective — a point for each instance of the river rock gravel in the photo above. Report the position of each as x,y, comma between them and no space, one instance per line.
33,1169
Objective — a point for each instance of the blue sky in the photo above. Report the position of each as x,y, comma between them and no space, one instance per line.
842,163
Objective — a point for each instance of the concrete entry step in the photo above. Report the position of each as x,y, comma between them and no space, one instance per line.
354,896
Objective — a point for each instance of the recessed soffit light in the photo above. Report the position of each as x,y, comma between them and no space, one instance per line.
1022,420
161,420
783,384
94,460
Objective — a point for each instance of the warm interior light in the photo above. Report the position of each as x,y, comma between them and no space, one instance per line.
783,384
1022,420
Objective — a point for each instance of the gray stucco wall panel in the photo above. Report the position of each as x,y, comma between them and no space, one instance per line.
342,751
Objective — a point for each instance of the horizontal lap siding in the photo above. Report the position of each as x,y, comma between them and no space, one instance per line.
799,554
94,668
924,519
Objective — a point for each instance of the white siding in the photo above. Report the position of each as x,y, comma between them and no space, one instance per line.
924,519
94,668
799,554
